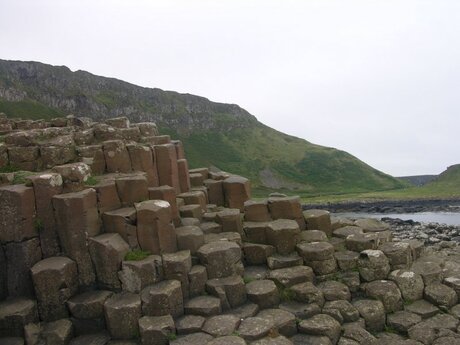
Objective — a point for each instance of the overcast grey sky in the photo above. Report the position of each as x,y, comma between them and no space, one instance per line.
379,79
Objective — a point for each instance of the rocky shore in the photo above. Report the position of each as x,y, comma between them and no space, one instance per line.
390,206
429,233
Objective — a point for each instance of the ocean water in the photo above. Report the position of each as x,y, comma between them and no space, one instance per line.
449,218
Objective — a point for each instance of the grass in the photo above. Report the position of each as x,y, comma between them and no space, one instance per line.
29,109
136,255
301,167
247,280
38,224
91,181
172,336
8,169
20,177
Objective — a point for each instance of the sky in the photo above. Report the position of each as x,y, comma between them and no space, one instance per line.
378,79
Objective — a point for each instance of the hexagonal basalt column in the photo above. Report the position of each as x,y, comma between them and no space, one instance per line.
55,281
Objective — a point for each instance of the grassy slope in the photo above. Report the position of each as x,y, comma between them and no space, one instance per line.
237,143
316,168
446,186
29,109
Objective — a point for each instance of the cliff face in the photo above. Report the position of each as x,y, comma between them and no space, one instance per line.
214,134
84,94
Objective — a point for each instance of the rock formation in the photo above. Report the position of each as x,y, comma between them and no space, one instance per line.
108,238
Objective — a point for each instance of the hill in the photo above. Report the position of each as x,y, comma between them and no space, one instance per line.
215,134
418,180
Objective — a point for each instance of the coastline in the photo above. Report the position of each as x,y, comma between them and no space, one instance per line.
389,206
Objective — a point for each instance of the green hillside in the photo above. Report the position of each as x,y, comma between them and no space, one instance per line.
445,186
214,134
